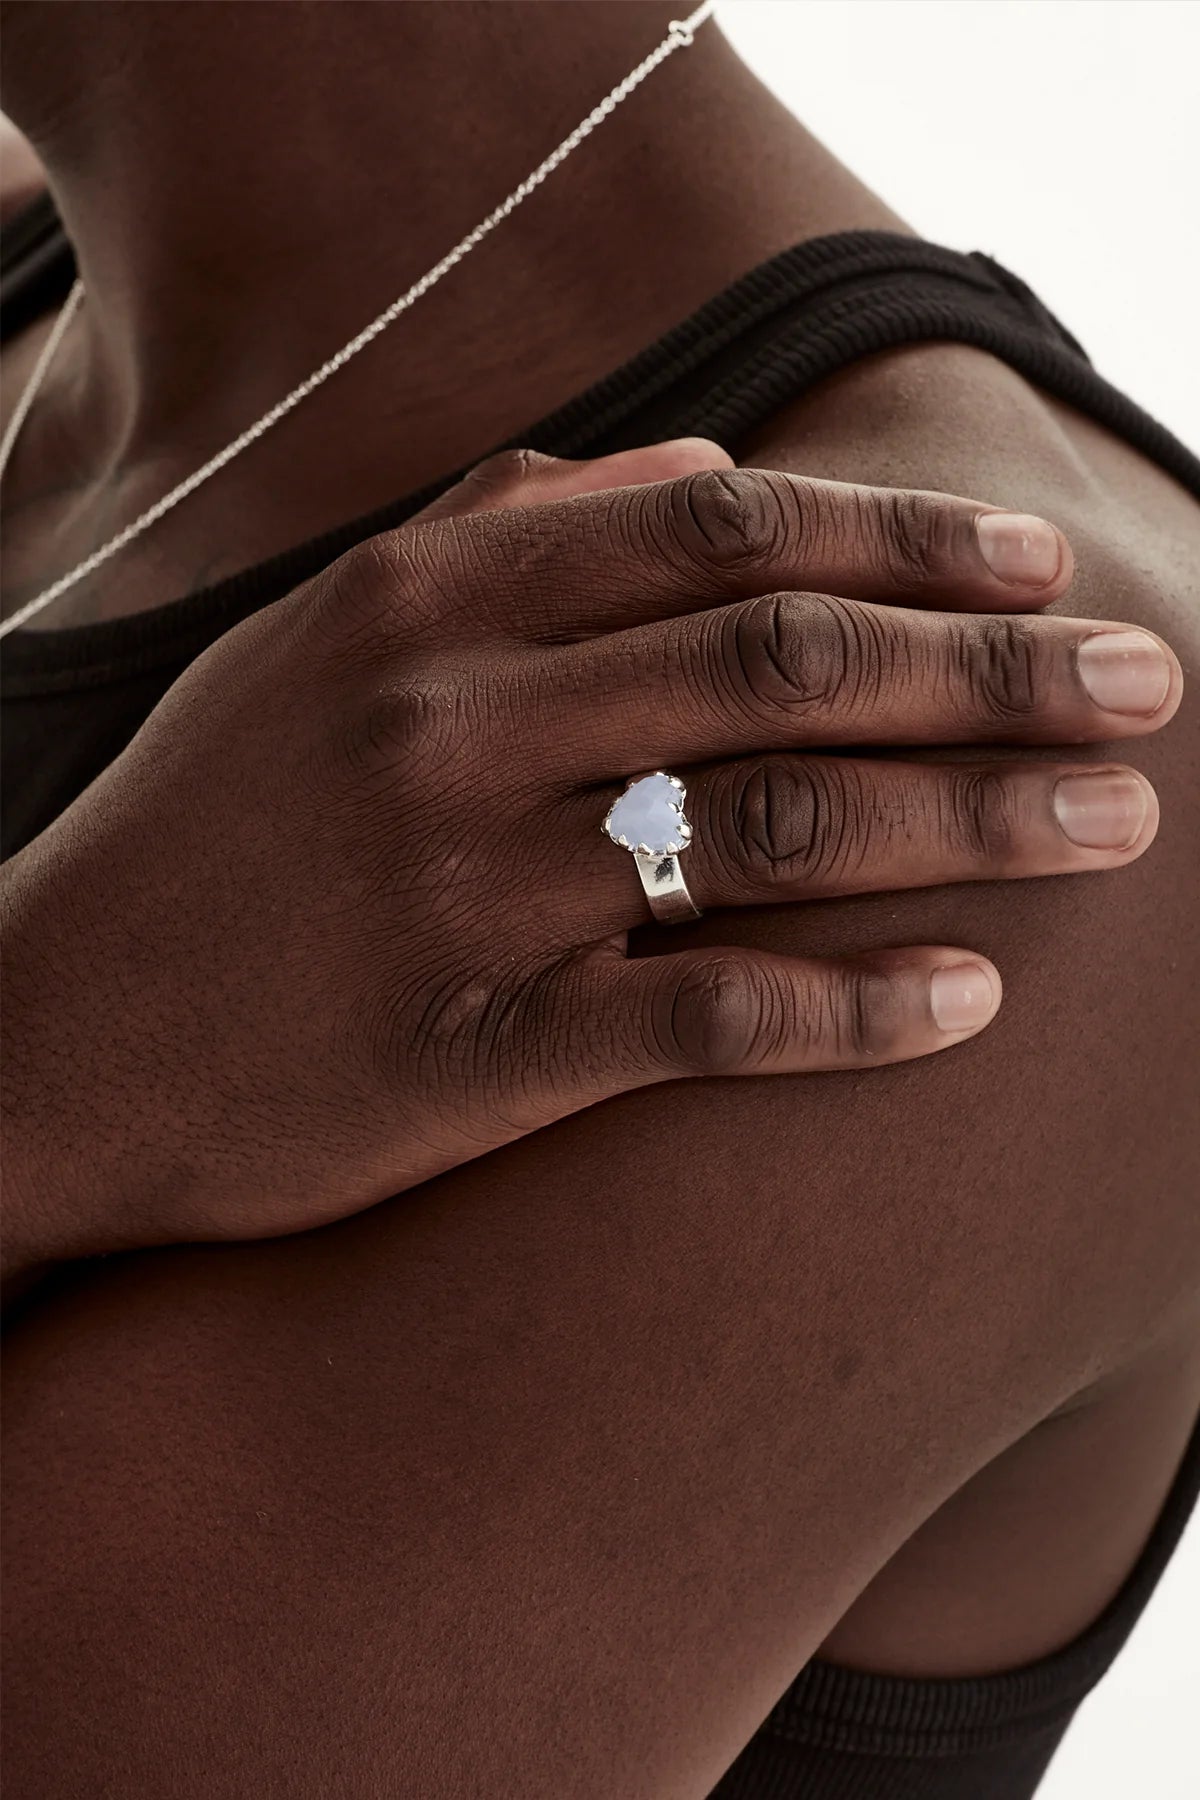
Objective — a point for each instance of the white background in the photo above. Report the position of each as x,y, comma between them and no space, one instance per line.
1063,137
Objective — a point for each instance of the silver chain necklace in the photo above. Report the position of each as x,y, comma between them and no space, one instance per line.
679,37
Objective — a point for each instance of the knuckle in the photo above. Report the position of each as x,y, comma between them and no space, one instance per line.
714,1016
397,727
437,1031
380,567
984,815
344,604
378,589
1003,671
770,815
511,565
789,822
800,653
499,475
428,718
857,1018
914,535
442,580
727,521
490,1040
518,1030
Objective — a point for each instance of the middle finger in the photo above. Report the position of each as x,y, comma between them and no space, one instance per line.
792,670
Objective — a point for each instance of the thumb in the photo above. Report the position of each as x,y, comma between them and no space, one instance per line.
526,478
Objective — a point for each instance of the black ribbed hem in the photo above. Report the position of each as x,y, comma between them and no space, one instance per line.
770,1769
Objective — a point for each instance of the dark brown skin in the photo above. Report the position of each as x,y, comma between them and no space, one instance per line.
385,789
549,1477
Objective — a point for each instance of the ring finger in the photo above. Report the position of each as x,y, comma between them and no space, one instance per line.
783,828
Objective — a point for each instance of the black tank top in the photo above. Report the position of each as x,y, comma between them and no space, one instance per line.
74,698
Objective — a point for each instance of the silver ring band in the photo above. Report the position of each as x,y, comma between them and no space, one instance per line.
666,890
649,821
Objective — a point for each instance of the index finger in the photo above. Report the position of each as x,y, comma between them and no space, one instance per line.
603,561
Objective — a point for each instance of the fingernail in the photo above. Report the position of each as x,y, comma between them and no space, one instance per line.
1104,811
962,998
1019,548
1124,671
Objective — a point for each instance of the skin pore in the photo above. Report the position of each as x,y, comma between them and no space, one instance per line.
901,1362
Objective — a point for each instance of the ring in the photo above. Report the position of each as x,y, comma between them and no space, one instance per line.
648,820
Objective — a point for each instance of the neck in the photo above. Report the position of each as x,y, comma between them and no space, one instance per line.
245,192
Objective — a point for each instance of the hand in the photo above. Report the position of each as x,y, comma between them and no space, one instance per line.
342,917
